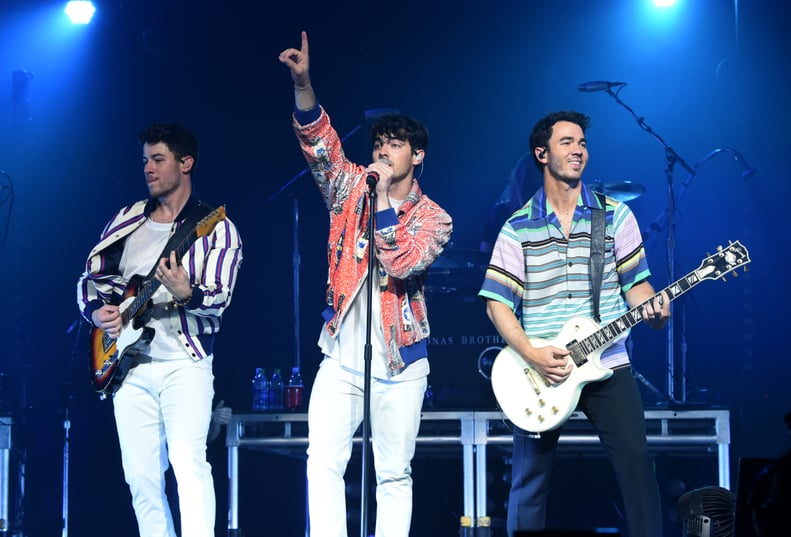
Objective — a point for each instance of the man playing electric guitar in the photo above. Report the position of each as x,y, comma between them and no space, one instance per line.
163,404
540,267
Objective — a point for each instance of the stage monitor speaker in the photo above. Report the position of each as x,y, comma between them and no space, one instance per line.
757,480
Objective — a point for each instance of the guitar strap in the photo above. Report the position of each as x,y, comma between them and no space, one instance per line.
194,215
598,229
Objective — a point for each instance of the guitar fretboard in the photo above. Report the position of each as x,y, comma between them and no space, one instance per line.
150,286
713,267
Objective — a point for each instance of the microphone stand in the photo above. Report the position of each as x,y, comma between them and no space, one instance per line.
671,158
658,225
295,266
366,435
68,402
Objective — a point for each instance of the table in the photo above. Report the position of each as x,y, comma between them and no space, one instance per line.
473,430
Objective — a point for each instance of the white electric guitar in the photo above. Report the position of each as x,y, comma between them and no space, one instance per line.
532,403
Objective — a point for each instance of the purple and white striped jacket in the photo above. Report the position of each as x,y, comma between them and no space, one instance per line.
212,263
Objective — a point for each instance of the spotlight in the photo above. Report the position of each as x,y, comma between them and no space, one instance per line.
80,11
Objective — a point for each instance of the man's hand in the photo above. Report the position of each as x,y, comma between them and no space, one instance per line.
108,318
656,312
553,363
221,414
384,171
298,61
173,276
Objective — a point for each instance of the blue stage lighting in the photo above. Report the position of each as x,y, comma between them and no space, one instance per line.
80,11
664,3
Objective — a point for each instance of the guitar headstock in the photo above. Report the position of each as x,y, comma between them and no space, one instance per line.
724,261
206,225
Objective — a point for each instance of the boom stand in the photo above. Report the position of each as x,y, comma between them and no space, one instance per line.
366,435
671,158
68,402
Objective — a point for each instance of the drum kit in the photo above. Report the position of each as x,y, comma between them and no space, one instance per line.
460,271
619,190
463,342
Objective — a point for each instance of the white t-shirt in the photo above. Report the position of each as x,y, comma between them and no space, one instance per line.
141,247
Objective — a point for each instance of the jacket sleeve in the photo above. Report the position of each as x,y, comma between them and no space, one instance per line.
334,174
101,282
407,248
214,262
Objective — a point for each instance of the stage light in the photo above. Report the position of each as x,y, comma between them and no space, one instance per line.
664,3
80,11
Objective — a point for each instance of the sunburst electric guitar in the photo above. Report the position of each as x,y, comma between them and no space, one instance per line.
110,358
532,403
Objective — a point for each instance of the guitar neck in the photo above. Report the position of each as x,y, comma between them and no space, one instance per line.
634,316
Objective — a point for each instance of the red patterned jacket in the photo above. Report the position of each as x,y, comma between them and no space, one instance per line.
406,244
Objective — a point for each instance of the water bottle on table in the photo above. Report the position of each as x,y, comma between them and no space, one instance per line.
294,390
276,391
260,391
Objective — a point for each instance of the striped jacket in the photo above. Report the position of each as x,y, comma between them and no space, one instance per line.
212,263
406,243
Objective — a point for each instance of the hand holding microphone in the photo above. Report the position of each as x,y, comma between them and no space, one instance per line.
378,176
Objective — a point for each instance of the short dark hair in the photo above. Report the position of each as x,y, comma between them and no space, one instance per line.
542,131
179,139
401,127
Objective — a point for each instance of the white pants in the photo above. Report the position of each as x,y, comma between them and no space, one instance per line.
162,412
334,414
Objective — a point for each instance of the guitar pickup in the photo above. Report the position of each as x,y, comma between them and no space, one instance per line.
530,374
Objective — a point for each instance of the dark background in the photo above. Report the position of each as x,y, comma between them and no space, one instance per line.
479,74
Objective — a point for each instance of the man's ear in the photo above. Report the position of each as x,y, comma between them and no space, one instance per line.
186,164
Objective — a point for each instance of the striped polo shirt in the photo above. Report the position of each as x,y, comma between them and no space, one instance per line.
544,276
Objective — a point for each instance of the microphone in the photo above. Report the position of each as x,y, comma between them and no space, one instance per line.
599,85
372,178
749,171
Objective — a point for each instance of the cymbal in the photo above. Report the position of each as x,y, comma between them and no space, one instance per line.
620,190
458,271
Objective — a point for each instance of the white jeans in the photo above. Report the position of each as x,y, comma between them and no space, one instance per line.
334,414
162,411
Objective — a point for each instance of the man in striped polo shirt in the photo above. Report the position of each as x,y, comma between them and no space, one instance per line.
538,278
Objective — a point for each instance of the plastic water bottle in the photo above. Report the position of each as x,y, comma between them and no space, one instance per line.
276,391
260,391
294,390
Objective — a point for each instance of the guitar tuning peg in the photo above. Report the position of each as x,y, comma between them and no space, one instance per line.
723,278
719,248
735,274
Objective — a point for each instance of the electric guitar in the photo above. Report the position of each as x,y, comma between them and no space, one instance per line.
532,403
110,359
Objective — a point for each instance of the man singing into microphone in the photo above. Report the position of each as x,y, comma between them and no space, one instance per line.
410,231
